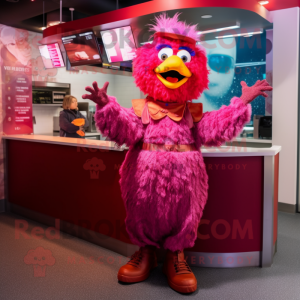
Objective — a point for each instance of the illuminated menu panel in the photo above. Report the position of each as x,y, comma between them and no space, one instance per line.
119,44
16,98
51,56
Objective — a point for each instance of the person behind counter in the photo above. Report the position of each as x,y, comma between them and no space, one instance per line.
68,115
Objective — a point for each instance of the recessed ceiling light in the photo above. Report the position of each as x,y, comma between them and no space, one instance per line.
53,23
220,29
263,2
149,42
239,34
206,16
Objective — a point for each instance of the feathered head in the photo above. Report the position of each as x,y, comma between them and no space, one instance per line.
173,68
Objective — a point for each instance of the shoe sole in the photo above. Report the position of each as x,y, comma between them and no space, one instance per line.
179,288
140,278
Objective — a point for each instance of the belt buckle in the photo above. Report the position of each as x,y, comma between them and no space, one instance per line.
171,147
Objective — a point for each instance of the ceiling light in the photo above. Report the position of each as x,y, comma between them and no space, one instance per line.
206,16
150,42
43,28
239,34
71,9
54,23
220,29
263,2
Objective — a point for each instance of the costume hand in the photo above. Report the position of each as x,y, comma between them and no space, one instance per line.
97,95
78,122
249,93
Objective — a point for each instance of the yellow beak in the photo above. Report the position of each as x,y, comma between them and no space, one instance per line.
173,73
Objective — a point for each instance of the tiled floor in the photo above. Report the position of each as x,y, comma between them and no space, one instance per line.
80,270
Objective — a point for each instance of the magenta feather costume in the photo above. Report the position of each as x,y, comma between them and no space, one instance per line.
165,192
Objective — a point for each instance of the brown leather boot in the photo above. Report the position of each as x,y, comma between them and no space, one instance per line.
139,266
180,276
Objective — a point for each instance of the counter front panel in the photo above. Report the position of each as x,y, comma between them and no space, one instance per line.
77,182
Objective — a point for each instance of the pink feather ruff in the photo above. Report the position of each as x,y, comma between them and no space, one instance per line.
147,60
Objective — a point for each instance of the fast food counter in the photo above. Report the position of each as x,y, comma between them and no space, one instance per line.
73,185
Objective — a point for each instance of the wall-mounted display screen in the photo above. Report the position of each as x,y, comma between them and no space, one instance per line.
51,56
82,49
230,61
119,44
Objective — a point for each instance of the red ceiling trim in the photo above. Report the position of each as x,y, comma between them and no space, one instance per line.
279,4
154,6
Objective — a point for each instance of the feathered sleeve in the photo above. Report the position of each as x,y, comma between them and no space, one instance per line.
118,123
220,126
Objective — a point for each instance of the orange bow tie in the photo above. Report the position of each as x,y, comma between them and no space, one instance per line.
159,109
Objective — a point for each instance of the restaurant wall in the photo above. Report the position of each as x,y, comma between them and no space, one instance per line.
286,99
125,89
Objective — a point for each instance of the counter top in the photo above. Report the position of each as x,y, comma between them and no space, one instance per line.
251,140
222,151
56,133
48,139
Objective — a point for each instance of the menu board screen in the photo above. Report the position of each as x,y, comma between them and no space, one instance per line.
119,44
82,49
51,56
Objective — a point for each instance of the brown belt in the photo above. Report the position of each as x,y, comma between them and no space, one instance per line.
166,147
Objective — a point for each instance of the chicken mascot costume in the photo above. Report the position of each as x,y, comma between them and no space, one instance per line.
163,178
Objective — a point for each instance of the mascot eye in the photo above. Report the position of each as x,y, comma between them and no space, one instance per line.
164,53
184,55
